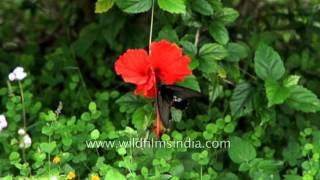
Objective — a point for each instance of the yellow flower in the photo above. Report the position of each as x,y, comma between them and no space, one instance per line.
71,175
95,177
56,160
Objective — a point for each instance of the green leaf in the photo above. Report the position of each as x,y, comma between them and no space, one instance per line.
276,93
85,116
244,167
229,15
110,130
291,80
202,7
270,165
211,128
177,170
229,128
176,114
292,153
240,150
129,102
209,54
194,63
88,35
51,116
201,158
103,6
208,66
169,34
212,51
240,103
92,107
122,151
14,157
114,174
95,134
144,171
268,64
190,82
47,130
67,140
237,51
264,169
292,177
134,6
138,119
216,5
48,147
176,6
189,48
303,99
219,32
176,135
215,91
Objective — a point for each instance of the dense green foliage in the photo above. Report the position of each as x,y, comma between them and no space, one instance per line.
256,61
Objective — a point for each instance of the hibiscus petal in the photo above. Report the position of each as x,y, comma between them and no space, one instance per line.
133,66
176,71
168,62
148,89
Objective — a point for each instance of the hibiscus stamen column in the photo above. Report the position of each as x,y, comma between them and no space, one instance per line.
158,124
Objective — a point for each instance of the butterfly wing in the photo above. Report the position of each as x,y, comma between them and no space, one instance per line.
176,96
181,92
180,95
164,108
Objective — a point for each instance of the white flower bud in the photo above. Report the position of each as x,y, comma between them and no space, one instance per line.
27,141
12,77
21,132
21,145
3,122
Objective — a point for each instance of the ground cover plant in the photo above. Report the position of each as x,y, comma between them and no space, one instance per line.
256,62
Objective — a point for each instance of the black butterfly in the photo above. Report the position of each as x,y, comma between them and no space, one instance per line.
173,96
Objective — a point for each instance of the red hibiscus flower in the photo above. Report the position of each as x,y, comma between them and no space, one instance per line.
165,64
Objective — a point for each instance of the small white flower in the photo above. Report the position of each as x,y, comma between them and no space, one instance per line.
12,77
17,74
21,75
18,69
27,140
3,122
21,132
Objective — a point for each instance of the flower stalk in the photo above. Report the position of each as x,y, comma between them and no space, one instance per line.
151,25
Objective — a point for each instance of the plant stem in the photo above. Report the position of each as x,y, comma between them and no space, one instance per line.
23,106
10,92
151,25
73,56
49,158
24,121
196,38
